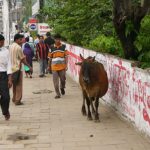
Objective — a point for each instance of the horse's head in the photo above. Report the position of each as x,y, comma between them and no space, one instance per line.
86,67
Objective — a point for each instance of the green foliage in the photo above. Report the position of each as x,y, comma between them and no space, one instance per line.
33,33
107,44
88,23
143,42
27,11
79,21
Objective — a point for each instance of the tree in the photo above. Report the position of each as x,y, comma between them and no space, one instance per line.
27,4
98,23
27,12
127,22
78,21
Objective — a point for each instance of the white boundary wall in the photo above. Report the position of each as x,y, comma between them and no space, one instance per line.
129,87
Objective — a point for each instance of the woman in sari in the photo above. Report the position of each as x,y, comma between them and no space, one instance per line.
29,53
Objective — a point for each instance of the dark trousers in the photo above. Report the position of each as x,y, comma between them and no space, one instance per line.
59,75
4,93
43,66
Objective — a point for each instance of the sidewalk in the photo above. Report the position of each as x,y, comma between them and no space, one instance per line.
44,123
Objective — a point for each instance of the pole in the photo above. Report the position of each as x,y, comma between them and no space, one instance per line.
9,9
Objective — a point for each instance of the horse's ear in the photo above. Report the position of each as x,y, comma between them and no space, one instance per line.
81,57
93,58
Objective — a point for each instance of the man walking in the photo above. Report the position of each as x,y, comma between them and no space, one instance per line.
17,58
5,78
58,59
50,42
36,41
42,56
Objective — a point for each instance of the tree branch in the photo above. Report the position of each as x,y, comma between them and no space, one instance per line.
127,4
146,4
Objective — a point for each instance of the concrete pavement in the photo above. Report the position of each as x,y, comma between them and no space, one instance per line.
44,123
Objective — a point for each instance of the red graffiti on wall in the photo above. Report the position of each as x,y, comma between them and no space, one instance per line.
71,63
126,84
118,75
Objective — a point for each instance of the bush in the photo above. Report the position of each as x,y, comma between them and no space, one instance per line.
143,43
107,44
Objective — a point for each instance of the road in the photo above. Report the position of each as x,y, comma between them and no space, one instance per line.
44,123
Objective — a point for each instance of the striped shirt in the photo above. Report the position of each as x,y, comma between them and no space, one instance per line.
58,56
16,55
42,50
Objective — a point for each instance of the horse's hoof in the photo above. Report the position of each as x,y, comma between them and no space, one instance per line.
89,118
84,114
97,121
83,110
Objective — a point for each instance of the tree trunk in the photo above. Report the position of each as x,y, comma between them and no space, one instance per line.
127,41
123,11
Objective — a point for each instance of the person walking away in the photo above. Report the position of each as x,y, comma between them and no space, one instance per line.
30,39
17,58
58,58
36,41
31,43
5,78
29,53
50,42
42,55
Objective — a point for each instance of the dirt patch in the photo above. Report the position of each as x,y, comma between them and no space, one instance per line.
45,91
19,137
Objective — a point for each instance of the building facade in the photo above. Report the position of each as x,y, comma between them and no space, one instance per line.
4,20
1,17
16,13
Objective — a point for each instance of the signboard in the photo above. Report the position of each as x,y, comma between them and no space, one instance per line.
33,20
32,26
43,28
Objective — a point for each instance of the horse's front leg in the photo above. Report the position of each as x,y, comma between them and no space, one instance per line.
83,110
96,107
92,106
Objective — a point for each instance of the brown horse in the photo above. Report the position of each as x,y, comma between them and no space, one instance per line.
94,83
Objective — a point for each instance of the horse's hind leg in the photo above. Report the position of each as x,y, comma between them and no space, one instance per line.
93,109
83,110
88,106
96,107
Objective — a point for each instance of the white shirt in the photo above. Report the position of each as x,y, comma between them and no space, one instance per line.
36,41
31,39
26,34
5,62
